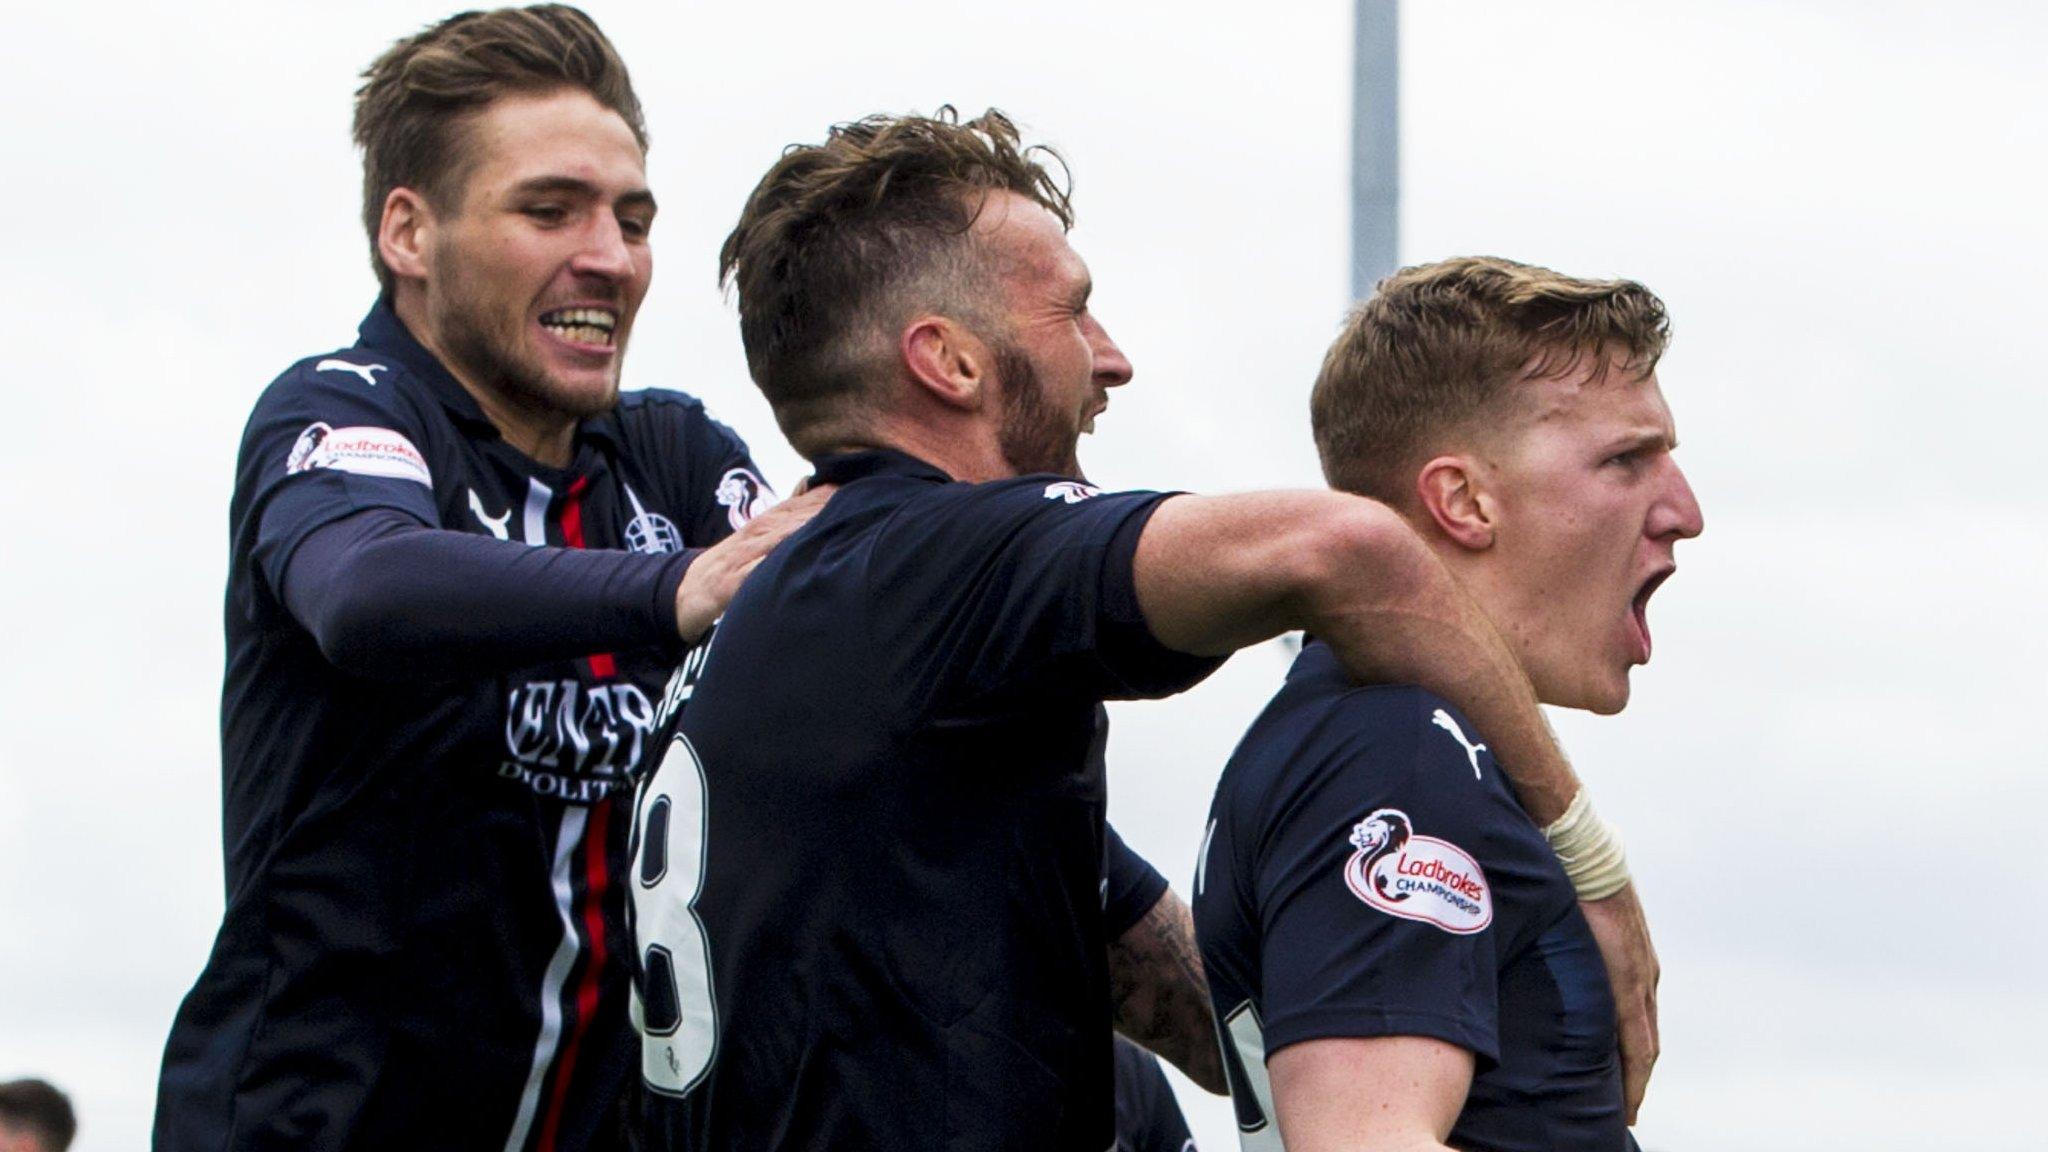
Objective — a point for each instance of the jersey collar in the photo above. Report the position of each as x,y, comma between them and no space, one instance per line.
846,467
385,333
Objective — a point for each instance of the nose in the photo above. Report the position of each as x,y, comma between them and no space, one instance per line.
1677,513
1112,369
605,252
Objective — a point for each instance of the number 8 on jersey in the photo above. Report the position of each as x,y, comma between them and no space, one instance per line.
672,1002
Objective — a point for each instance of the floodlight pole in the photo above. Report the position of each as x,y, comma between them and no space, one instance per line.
1375,144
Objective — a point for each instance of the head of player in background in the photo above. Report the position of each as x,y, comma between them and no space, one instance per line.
1513,415
505,195
35,1117
908,283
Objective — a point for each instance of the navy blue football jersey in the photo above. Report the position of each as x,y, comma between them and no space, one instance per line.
423,944
1148,1118
1367,872
1130,884
868,889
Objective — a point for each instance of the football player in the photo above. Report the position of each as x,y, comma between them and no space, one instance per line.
1397,956
869,861
462,565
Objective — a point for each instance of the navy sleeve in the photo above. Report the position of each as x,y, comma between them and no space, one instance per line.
324,443
1019,587
383,595
1130,886
1376,920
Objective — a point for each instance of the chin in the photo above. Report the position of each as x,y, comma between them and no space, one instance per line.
582,398
1609,706
1601,699
1608,699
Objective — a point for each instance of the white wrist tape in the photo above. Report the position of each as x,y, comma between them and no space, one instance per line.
1589,850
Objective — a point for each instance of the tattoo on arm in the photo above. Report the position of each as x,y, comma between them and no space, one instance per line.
1160,994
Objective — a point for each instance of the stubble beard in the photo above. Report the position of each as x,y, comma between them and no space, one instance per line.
1030,436
499,361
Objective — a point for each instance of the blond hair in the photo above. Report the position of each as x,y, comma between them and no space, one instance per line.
1439,346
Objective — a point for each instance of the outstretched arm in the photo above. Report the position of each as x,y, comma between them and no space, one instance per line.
1161,998
1215,574
384,595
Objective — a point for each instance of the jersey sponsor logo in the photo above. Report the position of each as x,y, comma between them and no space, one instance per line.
366,371
363,450
499,525
1443,720
1071,491
743,495
1416,877
575,741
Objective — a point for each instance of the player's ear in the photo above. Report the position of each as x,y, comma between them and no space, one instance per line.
405,234
946,362
1453,491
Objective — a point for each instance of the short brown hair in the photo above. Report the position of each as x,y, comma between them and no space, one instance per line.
38,1106
1438,347
423,90
841,241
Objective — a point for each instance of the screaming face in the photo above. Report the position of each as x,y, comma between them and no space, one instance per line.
1589,504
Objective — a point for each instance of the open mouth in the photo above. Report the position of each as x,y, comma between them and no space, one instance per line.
1639,608
1088,421
582,325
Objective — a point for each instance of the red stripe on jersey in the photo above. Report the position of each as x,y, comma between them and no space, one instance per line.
602,665
597,883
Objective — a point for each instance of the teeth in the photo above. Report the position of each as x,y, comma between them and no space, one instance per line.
586,317
582,325
582,333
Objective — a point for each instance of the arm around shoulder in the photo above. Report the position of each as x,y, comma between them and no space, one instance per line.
1217,573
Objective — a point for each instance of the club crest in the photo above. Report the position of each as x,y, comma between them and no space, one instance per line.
653,534
743,496
1416,877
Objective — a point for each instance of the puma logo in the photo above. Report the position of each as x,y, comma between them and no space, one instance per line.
498,526
366,371
1443,720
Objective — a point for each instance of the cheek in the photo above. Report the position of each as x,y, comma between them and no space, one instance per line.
643,276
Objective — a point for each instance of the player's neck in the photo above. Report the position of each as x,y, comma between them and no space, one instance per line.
542,434
959,450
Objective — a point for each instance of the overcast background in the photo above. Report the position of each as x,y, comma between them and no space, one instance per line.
1830,780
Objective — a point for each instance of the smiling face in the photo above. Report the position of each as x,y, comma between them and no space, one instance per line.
535,274
1587,504
1054,361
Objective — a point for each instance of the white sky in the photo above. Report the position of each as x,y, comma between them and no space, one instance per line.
1830,779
